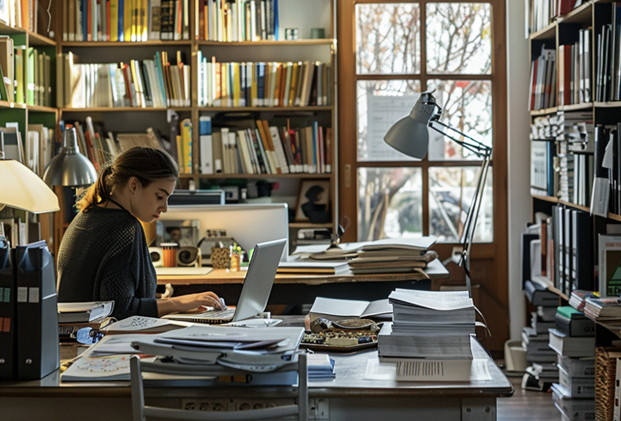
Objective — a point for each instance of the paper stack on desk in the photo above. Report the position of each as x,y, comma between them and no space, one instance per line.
428,324
257,349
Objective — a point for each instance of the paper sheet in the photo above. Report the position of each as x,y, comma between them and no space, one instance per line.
428,370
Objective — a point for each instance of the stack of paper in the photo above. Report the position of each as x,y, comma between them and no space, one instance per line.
320,367
258,349
84,312
428,324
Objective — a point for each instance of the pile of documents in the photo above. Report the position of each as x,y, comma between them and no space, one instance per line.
428,324
259,350
390,255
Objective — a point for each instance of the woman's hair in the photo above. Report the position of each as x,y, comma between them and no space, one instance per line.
146,164
313,192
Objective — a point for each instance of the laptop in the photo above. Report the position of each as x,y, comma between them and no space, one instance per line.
255,291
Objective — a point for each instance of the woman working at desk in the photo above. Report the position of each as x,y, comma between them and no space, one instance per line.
104,254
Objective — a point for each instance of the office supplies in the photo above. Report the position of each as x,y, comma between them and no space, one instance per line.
84,311
255,291
37,316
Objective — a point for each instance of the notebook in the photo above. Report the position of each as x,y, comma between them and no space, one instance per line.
255,291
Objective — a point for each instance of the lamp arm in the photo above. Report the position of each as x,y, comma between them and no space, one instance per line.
475,147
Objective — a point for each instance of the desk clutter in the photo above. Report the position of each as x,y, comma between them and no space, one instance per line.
403,255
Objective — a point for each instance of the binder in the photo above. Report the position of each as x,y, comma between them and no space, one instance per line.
37,314
7,312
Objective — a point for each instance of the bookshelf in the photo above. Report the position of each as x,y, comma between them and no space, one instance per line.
580,120
298,14
29,114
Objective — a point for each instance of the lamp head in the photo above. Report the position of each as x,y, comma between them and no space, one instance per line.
70,167
410,135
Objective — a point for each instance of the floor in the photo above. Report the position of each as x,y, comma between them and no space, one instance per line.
527,405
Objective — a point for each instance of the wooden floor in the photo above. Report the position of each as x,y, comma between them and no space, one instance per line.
527,405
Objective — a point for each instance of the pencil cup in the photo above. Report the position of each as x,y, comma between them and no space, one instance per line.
169,254
220,258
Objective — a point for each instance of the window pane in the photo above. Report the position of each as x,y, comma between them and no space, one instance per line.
380,104
450,195
459,38
388,38
390,203
466,106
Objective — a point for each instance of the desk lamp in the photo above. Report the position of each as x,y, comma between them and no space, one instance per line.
70,167
23,189
410,135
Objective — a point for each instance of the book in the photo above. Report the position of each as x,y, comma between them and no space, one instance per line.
574,323
83,312
568,346
602,307
313,267
539,295
570,408
577,387
609,259
578,367
340,309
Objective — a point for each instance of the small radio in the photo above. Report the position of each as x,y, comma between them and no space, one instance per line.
156,256
189,257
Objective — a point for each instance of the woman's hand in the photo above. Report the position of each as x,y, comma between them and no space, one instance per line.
185,303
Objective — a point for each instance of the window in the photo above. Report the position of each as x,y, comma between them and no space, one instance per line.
399,50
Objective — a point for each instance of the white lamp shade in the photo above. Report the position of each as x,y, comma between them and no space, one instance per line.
22,189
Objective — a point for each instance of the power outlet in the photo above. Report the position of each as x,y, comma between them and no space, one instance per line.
318,409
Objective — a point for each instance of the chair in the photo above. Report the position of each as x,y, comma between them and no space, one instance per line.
141,411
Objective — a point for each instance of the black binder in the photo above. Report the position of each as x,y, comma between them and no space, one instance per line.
37,313
7,313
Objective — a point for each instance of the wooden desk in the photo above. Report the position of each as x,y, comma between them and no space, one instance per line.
348,397
303,288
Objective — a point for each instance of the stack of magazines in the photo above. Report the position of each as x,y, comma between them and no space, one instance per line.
428,324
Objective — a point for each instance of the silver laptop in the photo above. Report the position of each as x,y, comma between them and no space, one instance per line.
255,291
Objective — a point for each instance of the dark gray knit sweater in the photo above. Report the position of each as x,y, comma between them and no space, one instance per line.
104,256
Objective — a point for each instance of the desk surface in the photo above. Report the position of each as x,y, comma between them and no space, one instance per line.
350,382
434,270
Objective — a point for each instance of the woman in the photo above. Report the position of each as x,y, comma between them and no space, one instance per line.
104,253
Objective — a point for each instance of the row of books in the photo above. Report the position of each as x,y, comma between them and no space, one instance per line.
574,70
101,146
161,82
261,148
542,12
260,84
243,20
24,74
608,53
126,20
543,78
20,13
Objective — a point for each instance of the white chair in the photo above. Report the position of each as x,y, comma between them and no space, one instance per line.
142,412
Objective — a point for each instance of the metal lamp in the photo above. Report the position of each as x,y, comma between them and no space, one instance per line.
410,135
70,167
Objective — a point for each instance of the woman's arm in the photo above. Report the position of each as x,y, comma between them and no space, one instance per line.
187,302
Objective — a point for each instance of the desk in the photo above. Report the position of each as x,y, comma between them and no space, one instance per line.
349,397
303,288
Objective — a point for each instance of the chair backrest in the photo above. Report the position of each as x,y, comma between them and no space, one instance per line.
142,412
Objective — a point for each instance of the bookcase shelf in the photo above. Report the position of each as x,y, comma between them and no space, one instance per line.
220,176
296,43
7,104
544,111
109,44
267,109
299,14
123,109
41,108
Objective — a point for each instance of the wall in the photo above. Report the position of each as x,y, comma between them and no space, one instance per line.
518,172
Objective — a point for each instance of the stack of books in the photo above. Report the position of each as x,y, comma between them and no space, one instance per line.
603,309
578,298
391,260
574,342
542,371
428,324
573,339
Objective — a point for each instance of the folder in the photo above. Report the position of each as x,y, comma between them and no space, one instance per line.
7,312
37,314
